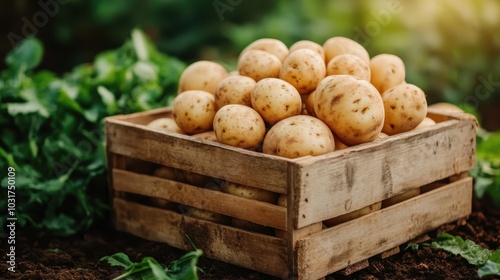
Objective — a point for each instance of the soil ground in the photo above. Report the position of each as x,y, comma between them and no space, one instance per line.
41,257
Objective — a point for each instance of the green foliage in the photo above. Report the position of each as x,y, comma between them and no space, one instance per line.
52,127
487,170
487,261
148,268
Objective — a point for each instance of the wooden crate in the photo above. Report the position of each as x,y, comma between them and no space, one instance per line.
317,188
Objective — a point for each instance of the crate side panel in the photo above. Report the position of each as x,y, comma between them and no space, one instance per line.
340,246
211,159
255,211
254,251
329,188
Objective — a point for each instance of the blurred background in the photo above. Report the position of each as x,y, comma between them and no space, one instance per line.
451,48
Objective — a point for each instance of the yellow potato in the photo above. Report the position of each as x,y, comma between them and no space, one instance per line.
194,111
234,90
240,126
207,135
202,75
299,136
166,124
270,45
348,64
249,192
303,69
341,45
353,215
446,107
259,65
193,178
275,99
387,71
352,108
339,145
205,215
405,107
310,104
306,44
425,123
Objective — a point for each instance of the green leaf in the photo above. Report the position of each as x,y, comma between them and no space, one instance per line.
118,259
489,269
467,249
27,55
140,44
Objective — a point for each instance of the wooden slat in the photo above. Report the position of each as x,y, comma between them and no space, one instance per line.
259,252
144,117
255,211
207,158
338,247
347,180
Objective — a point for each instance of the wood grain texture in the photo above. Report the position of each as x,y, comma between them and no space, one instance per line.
338,247
194,155
259,252
235,206
341,182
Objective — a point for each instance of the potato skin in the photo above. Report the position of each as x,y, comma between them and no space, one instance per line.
306,44
304,69
348,64
259,65
269,45
405,108
239,126
387,71
275,99
352,108
299,136
426,122
207,135
166,124
340,45
201,75
194,111
249,192
234,90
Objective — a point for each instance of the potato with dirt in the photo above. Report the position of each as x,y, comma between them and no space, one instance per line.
303,69
387,71
405,108
299,136
239,126
234,89
348,64
352,108
275,100
306,44
166,124
194,111
341,45
202,75
269,45
259,65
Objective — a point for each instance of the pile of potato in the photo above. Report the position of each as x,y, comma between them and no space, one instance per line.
308,99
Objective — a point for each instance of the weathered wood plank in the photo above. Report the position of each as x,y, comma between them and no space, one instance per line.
344,181
239,207
194,155
338,247
259,252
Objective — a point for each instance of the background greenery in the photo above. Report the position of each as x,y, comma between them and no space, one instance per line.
58,88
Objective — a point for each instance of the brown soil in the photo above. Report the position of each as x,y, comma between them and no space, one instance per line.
41,257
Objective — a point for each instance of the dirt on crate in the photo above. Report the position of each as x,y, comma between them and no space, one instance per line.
41,257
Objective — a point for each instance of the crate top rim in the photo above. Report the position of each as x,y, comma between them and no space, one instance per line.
450,119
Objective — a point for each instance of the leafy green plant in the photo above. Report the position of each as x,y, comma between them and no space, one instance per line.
148,268
52,127
487,171
487,261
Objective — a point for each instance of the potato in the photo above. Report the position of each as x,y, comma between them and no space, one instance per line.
193,178
249,192
339,145
234,90
310,104
341,45
353,215
405,107
275,99
239,126
348,64
425,123
306,44
166,124
164,172
269,45
201,75
207,135
303,69
387,71
194,111
446,107
299,136
259,65
352,108
205,215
